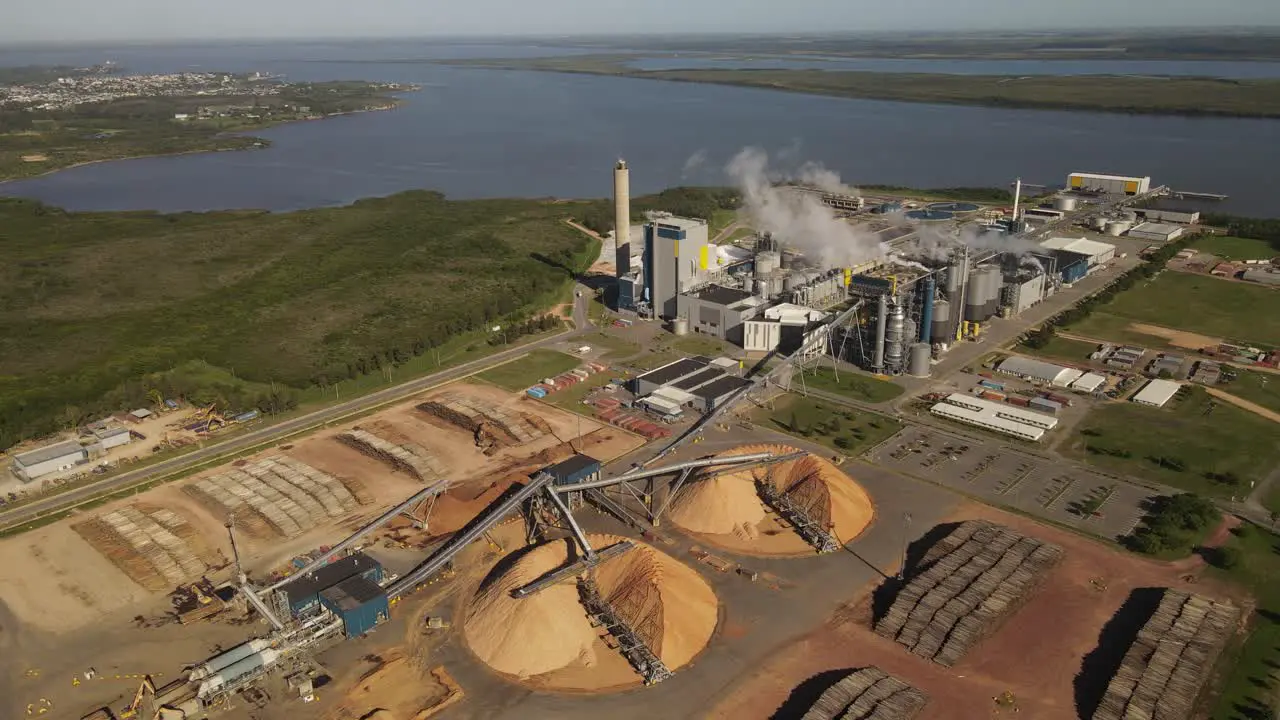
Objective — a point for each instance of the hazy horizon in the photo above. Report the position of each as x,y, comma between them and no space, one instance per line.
158,21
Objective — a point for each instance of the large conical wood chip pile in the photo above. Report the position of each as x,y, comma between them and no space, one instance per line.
1165,669
974,579
868,694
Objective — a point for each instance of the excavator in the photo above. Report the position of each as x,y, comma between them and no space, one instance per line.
145,696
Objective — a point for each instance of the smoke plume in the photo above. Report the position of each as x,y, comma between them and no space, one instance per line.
800,220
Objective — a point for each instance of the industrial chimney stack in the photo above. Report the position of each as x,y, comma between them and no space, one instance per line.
622,217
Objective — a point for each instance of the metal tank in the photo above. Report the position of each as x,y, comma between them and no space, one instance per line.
1100,223
767,262
762,288
975,300
1116,228
238,670
680,326
877,362
790,282
926,310
995,282
941,330
893,338
918,363
228,658
1065,203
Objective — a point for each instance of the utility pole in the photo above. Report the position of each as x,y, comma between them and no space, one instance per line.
906,540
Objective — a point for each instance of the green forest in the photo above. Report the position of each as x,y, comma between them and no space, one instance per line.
97,309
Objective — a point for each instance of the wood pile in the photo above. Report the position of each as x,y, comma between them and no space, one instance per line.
868,694
411,458
984,573
151,548
1168,664
494,426
276,495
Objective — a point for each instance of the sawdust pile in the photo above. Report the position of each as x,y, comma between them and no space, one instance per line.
668,604
726,502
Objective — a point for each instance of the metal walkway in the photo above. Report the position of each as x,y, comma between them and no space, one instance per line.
810,531
574,568
649,665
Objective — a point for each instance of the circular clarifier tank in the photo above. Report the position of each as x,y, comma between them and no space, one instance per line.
930,215
954,207
724,508
547,641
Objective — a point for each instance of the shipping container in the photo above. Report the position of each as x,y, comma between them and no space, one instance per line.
1018,400
992,395
992,384
1062,400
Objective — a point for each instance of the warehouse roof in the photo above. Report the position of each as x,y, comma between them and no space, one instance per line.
1038,370
699,378
49,452
720,295
673,394
105,433
328,576
674,370
1157,392
719,388
572,465
1100,176
987,419
1262,275
1084,246
1011,413
1089,382
1158,229
352,592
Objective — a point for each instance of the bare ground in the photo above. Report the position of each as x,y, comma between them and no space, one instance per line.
1177,338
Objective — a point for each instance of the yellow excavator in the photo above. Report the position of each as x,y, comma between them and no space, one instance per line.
135,709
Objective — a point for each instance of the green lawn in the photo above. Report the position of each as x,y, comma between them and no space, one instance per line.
1271,500
1061,348
849,432
1228,247
1223,441
851,385
1249,690
1256,387
571,397
1195,303
530,369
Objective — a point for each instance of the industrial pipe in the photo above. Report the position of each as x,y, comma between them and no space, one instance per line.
882,319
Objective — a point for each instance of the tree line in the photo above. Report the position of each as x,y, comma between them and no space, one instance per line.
694,202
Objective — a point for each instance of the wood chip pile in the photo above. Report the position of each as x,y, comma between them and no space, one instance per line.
868,694
494,426
983,574
1165,669
276,495
411,458
152,548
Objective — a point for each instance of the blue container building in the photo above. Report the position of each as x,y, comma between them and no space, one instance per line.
360,602
304,592
579,468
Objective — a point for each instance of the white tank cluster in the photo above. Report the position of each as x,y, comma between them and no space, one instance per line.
232,665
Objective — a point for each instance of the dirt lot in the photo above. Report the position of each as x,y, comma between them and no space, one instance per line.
1058,627
1177,338
394,684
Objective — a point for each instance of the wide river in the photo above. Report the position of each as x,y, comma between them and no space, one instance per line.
484,133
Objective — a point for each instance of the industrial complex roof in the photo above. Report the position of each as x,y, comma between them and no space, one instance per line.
352,592
1089,382
720,295
1084,246
678,221
1157,392
793,314
1158,229
720,388
699,378
328,576
1100,176
673,394
995,416
1039,370
674,370
48,452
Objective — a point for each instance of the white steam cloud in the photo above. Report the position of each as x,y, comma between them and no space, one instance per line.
800,220
694,164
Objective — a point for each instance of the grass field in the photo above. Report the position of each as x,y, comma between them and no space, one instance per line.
1248,690
1061,348
291,300
530,369
851,385
846,431
1224,441
1234,248
1256,387
1194,303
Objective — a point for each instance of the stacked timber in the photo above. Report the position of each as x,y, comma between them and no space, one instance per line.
868,694
412,459
1165,669
493,425
974,579
277,495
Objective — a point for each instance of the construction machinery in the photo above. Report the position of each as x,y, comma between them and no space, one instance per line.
143,705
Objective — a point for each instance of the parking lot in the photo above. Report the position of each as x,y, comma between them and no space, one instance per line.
1058,491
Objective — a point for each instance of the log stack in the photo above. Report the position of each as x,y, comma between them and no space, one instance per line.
974,579
493,426
410,458
868,694
1166,668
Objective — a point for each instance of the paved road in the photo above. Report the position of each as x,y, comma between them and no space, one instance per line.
65,500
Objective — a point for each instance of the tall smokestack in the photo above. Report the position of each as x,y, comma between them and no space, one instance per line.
1017,197
622,217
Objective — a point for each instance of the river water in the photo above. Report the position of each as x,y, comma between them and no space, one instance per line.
488,133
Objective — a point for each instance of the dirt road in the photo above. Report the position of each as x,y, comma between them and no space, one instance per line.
1240,402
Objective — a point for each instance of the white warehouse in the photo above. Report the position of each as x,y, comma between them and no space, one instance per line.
1159,232
1099,253
995,416
49,459
1157,393
1109,184
1039,370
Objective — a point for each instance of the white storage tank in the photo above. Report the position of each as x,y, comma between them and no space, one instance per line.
680,326
1116,228
1065,203
918,363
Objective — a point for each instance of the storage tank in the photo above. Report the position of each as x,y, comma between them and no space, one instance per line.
975,299
882,314
995,285
229,658
893,338
680,326
941,330
1116,228
762,288
767,262
926,310
1100,223
790,282
1065,203
918,365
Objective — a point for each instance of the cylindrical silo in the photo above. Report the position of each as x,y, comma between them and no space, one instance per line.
680,326
918,364
952,284
893,338
942,323
877,362
622,217
926,310
1064,203
789,283
767,262
995,281
1100,223
1116,228
975,296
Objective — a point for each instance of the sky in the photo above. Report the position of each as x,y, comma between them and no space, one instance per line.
39,21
